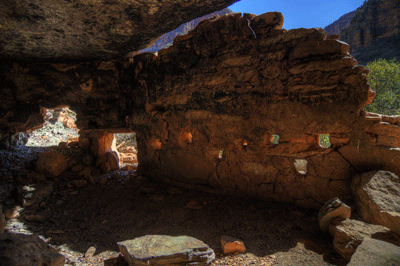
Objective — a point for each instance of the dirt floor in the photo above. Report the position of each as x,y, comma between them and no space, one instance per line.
77,220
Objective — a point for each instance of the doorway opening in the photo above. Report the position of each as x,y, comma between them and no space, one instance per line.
126,146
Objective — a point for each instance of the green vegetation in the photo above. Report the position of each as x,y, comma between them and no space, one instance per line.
324,141
384,78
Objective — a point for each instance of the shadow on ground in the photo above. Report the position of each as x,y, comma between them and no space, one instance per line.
130,207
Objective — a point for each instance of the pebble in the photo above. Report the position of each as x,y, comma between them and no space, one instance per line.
90,252
194,205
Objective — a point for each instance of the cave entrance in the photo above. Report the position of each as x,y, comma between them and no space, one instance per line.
59,128
126,146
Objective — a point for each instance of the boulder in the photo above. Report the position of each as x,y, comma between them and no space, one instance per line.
374,252
51,164
377,196
334,209
231,245
113,160
166,250
348,235
27,250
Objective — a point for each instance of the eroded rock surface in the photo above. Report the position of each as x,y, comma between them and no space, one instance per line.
374,252
90,29
349,234
377,195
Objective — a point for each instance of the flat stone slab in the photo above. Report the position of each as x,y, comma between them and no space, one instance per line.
166,250
374,252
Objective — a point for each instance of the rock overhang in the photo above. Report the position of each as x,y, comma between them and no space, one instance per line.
83,30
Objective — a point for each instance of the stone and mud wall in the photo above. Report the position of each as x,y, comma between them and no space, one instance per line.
206,109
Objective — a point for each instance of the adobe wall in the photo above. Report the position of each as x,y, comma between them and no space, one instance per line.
206,108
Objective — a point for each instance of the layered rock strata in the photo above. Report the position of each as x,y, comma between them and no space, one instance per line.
208,110
374,21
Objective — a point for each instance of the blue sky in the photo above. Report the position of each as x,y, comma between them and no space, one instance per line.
300,13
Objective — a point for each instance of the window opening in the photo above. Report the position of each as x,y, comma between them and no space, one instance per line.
275,139
324,141
301,166
125,144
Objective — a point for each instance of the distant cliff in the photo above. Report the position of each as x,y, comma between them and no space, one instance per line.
166,40
342,23
374,31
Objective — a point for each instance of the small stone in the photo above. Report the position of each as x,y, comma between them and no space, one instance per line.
333,209
37,218
102,181
76,168
90,252
231,245
86,172
79,183
11,214
194,205
105,167
59,202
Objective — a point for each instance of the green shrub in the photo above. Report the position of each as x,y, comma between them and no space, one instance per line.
384,78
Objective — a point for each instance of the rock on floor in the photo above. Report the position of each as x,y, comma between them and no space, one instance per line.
374,252
27,250
166,250
377,196
349,234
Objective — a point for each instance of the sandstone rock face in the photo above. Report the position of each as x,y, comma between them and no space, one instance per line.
375,22
377,195
51,164
333,209
373,252
27,250
208,110
349,234
166,250
90,29
342,23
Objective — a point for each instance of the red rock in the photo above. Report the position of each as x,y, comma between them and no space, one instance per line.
231,245
51,164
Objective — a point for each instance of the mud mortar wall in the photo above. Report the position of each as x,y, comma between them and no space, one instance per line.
205,110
